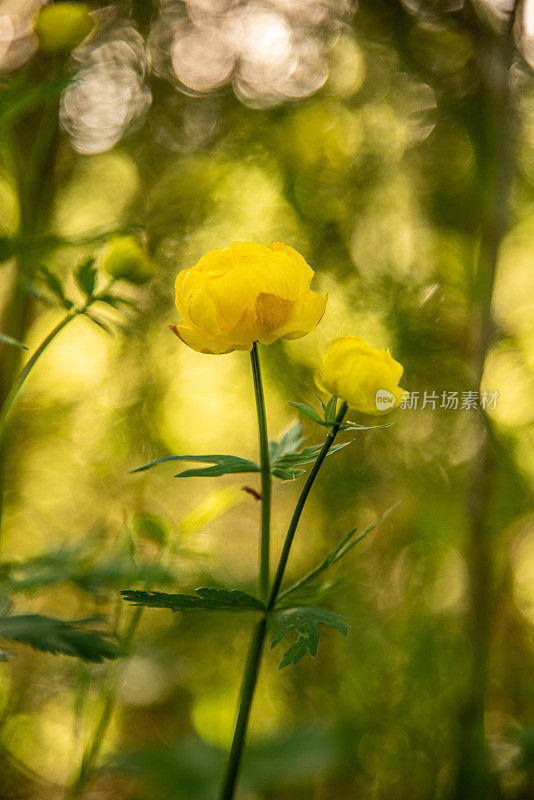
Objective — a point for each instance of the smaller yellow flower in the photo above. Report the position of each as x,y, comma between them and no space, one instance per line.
245,293
366,378
124,258
63,26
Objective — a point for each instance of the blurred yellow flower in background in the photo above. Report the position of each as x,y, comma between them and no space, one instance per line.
365,377
245,293
63,26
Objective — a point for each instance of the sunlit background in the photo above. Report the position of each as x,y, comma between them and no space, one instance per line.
354,132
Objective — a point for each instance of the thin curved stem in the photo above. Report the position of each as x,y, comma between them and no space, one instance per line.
301,502
266,479
19,383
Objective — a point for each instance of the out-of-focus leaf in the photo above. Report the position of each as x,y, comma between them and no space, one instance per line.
351,539
148,526
101,324
57,636
54,285
222,465
204,598
86,277
305,623
9,340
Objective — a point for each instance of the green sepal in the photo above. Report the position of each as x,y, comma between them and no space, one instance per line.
57,636
222,465
203,599
305,622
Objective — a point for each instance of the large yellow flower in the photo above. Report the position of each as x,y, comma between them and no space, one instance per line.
245,293
366,378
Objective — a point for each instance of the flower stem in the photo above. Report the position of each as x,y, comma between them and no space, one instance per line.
248,686
257,641
301,502
265,466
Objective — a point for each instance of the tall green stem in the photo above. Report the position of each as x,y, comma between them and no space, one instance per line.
265,465
257,641
295,519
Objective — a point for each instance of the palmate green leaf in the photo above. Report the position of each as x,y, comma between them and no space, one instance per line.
305,622
286,456
222,465
9,340
287,467
57,636
203,599
350,541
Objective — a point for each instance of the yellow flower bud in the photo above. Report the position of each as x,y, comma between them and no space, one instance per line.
62,26
245,293
125,259
366,378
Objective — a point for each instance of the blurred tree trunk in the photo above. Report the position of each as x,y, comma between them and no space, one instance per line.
494,53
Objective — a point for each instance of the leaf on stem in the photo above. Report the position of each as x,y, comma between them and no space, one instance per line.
222,465
203,599
286,457
350,540
86,277
55,286
57,636
329,419
305,623
9,340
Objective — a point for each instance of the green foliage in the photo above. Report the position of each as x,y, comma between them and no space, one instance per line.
287,458
9,340
57,636
150,527
222,465
79,567
329,416
86,275
305,623
205,598
351,539
54,286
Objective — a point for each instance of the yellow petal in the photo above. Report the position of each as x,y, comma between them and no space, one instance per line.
307,314
199,342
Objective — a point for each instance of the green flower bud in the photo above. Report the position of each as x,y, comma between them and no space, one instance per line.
124,258
62,26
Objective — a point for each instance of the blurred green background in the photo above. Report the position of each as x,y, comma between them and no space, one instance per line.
392,143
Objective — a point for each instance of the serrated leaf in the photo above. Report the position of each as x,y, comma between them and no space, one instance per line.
222,465
350,541
86,277
203,599
9,340
308,411
50,635
305,622
287,466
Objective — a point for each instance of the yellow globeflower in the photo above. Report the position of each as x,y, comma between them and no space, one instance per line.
245,293
366,378
63,26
